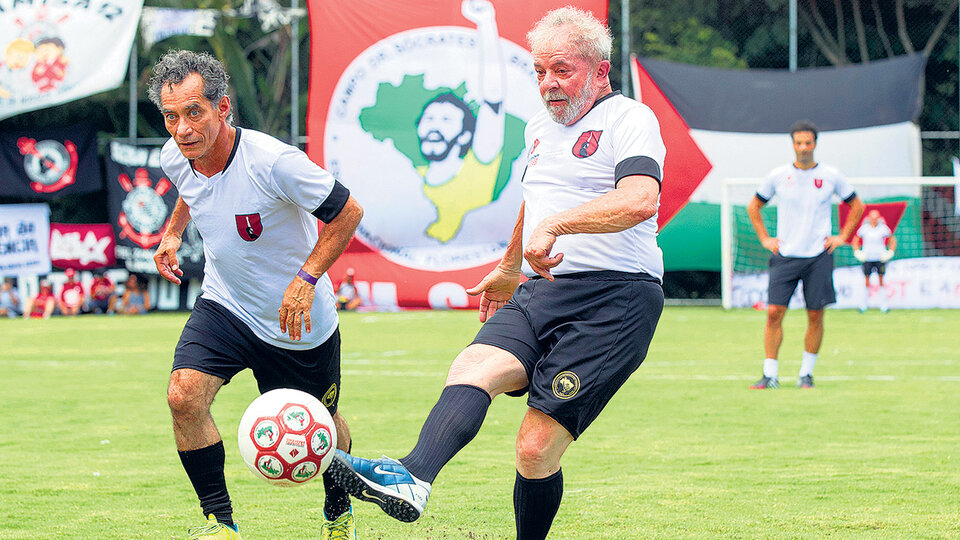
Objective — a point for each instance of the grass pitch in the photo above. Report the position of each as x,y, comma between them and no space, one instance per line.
685,450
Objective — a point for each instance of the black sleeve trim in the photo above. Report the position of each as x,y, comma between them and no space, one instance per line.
850,199
761,198
333,204
495,106
632,166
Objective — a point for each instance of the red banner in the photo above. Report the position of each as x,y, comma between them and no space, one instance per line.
82,247
418,107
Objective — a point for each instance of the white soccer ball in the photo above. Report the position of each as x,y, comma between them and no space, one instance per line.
287,437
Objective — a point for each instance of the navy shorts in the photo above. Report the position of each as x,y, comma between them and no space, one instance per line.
214,341
815,272
579,339
870,266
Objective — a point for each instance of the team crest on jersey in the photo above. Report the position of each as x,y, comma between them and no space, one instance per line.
587,144
249,226
818,182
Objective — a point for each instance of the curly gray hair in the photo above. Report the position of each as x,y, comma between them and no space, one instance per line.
590,36
176,65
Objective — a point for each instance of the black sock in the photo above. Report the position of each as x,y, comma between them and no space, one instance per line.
535,503
453,422
204,467
337,501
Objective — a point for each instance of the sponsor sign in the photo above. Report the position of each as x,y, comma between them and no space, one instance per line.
24,239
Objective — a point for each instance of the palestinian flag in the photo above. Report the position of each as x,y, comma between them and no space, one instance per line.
721,123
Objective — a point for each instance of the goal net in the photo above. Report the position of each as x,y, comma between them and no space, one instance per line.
922,212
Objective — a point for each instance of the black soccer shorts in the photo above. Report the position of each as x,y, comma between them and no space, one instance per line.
214,341
815,272
579,339
870,266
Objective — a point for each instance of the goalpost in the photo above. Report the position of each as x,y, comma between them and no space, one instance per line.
923,212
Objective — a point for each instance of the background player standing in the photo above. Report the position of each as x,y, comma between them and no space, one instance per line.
255,201
803,247
574,333
874,245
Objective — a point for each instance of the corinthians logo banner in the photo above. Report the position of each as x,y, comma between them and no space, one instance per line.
141,199
419,109
49,162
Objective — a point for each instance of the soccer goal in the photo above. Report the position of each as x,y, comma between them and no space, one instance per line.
922,212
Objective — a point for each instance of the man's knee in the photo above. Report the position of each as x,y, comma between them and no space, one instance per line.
775,315
190,392
487,367
815,317
532,450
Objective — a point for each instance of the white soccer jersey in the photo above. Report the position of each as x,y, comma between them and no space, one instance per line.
874,239
571,165
804,209
257,228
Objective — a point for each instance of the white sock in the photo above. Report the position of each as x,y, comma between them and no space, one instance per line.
806,365
864,298
883,297
770,367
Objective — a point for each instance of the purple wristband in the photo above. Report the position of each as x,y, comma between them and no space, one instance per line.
307,277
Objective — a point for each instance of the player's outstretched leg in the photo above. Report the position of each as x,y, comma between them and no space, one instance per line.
401,489
382,481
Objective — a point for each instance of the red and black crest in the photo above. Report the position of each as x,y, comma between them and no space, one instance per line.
249,226
818,182
587,144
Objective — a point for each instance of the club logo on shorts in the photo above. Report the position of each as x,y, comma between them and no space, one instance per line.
566,385
330,396
249,226
818,182
587,144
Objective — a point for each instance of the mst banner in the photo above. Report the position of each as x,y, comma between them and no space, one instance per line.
24,239
419,109
141,199
49,162
55,52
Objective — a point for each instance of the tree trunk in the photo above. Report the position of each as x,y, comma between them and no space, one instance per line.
819,39
841,32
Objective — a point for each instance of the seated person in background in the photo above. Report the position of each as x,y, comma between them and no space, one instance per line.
71,295
41,305
347,296
101,292
136,299
9,299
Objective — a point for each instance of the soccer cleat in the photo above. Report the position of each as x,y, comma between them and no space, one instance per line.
213,530
765,383
342,528
383,481
805,382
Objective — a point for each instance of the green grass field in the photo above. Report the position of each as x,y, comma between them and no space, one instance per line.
685,450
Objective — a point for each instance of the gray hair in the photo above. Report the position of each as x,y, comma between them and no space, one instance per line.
176,65
590,36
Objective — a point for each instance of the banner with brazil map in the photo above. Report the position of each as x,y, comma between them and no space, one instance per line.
419,109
